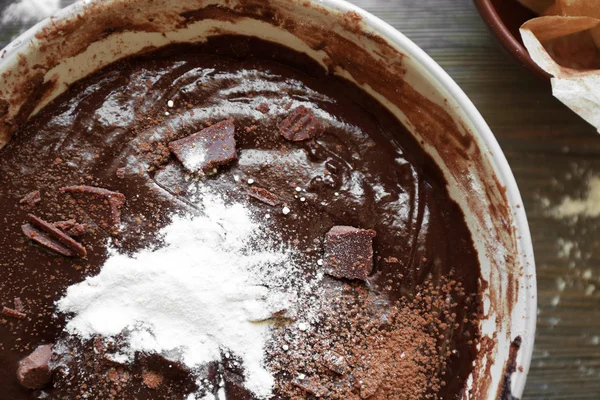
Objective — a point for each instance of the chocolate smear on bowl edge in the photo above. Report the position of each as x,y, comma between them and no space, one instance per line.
301,124
207,149
348,252
102,205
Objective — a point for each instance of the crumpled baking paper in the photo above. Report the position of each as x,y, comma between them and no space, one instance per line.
565,42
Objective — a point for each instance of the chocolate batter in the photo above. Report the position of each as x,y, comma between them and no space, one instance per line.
112,129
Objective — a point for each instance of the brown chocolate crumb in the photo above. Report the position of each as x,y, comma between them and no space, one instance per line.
391,260
151,379
311,385
263,108
102,205
41,238
18,304
31,199
263,195
77,230
336,363
301,124
349,252
9,312
57,234
34,370
120,173
207,149
65,225
71,227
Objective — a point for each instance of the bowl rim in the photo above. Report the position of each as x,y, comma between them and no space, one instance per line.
495,23
481,130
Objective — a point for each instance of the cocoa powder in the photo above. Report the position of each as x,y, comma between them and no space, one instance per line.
388,351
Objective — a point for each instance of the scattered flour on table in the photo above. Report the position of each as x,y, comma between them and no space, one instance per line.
30,11
211,287
588,206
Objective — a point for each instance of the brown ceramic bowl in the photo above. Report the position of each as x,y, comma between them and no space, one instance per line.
504,18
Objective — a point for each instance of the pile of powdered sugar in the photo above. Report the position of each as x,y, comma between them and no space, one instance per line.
211,287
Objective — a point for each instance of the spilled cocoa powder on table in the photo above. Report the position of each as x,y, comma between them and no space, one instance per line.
364,348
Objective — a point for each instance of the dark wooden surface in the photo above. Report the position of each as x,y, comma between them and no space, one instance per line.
551,151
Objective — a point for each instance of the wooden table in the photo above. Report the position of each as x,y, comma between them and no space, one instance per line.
551,151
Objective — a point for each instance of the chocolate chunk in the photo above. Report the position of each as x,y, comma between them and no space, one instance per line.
57,234
300,124
208,148
263,108
9,312
263,195
31,199
336,363
102,205
311,385
40,238
71,227
349,252
34,370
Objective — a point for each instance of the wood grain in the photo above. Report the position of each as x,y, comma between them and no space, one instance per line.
551,151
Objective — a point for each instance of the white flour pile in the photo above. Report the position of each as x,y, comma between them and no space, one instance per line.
27,11
204,291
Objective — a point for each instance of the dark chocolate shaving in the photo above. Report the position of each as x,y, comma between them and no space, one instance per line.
301,124
9,312
102,205
208,148
349,252
31,199
57,234
42,239
34,370
263,195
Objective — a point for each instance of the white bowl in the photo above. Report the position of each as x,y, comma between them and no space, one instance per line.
42,62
